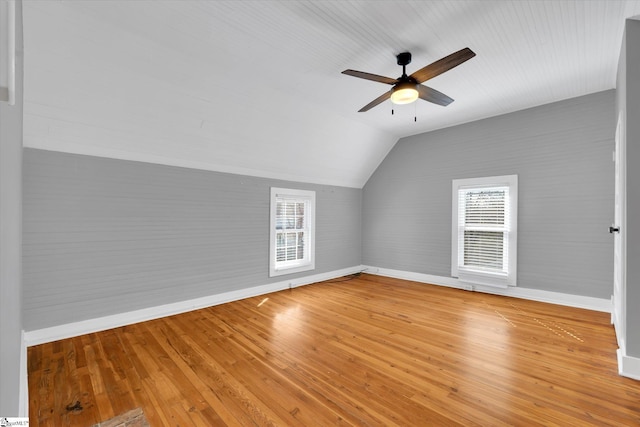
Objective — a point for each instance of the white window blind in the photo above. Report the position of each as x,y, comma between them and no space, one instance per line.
484,231
291,228
292,231
484,234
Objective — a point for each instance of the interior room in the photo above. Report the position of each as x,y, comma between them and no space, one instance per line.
220,192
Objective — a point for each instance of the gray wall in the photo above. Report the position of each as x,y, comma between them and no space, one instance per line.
628,101
10,241
561,153
105,236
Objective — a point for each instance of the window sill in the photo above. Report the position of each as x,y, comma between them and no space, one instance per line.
273,272
486,279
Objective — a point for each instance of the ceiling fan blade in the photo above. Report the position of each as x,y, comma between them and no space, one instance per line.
375,102
369,76
432,95
445,64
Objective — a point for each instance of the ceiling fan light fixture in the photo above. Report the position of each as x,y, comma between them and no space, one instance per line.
404,93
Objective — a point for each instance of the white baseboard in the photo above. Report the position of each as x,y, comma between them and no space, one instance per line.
591,303
628,366
69,330
54,333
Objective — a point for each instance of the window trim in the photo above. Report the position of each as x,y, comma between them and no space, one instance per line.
308,262
477,276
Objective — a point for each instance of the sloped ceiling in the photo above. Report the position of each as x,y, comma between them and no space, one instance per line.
255,87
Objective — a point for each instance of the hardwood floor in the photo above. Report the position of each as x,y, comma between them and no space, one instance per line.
368,351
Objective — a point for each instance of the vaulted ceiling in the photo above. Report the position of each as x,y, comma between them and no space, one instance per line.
255,87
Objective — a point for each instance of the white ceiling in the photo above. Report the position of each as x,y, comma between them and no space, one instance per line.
255,87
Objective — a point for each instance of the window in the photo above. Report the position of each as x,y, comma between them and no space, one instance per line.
484,232
292,231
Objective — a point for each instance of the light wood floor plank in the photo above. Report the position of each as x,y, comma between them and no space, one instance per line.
365,351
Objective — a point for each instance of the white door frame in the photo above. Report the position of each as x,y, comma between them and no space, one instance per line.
618,315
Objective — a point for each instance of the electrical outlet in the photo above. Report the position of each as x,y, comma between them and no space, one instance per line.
468,287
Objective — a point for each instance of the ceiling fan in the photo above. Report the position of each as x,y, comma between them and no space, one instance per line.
406,89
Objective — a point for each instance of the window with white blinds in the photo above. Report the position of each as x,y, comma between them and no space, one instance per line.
292,231
484,238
